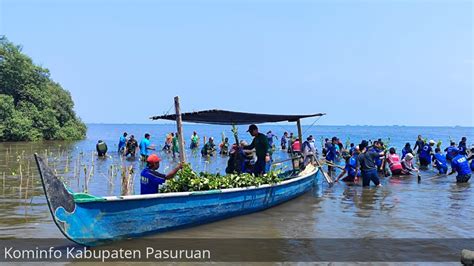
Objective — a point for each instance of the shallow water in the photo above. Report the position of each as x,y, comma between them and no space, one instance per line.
436,208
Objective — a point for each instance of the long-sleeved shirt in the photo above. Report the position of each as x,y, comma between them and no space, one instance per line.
260,144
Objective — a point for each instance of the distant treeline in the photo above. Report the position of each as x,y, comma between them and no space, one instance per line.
33,106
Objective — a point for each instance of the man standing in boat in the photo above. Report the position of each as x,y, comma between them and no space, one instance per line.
151,178
262,149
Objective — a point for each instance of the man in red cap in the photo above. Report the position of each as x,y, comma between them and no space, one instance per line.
151,178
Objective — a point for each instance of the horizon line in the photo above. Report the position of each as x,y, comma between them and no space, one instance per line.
347,125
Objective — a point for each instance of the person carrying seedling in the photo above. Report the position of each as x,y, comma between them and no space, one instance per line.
224,147
151,179
440,162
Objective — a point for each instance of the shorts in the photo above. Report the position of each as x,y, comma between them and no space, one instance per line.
143,157
463,178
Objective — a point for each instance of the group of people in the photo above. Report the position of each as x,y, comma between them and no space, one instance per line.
129,146
365,161
151,178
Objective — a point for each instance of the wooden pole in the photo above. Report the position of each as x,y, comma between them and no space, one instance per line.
179,125
300,133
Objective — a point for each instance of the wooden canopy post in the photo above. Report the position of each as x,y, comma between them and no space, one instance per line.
300,133
179,125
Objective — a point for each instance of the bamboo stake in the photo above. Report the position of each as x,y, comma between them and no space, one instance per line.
182,154
21,179
27,186
85,178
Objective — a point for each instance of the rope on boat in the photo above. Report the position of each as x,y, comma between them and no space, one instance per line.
317,119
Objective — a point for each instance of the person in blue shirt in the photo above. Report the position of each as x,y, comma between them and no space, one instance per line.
122,142
407,149
460,165
440,162
151,179
449,151
425,154
270,137
145,146
377,148
463,146
331,153
350,168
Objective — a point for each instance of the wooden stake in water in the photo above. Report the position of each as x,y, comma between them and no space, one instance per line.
85,179
27,186
21,179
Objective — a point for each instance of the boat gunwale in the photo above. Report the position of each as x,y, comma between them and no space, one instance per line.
198,193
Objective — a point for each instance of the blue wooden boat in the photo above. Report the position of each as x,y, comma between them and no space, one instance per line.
90,220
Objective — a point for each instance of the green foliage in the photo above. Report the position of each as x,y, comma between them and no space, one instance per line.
188,180
32,106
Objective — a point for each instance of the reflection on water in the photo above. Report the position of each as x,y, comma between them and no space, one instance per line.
436,207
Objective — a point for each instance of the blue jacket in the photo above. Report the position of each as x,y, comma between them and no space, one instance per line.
426,152
461,165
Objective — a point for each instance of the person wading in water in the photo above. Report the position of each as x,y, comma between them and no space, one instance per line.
366,162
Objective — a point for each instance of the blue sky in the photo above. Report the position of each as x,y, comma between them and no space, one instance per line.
361,62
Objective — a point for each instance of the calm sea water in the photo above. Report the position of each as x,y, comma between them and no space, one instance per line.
436,208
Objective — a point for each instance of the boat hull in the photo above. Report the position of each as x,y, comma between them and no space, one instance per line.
95,222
